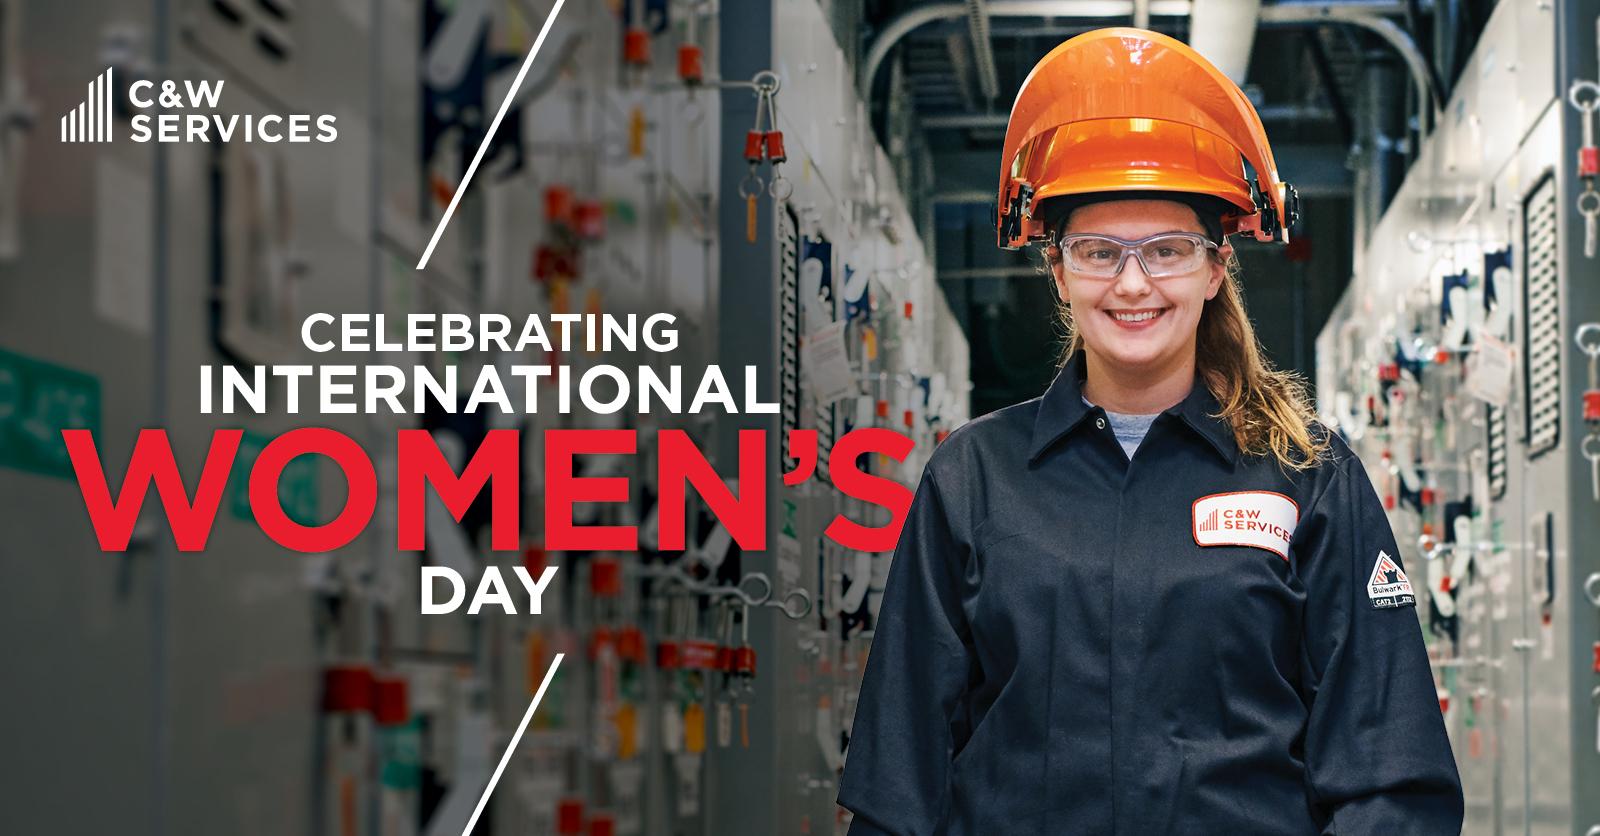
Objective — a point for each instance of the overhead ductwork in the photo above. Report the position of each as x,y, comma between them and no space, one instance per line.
1372,15
1224,31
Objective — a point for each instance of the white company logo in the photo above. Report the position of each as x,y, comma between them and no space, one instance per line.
93,120
1260,519
1389,587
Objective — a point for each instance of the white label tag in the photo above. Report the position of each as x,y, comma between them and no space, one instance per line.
825,364
1489,370
724,725
671,727
1388,587
1262,519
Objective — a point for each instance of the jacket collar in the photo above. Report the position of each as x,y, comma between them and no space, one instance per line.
1062,409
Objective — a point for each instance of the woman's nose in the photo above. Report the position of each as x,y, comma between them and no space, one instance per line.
1132,281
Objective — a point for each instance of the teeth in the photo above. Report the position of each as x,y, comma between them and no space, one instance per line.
1138,317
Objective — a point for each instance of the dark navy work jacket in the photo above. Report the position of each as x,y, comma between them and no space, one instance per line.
1192,642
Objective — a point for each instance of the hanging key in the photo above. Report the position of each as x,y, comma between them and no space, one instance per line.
1588,153
750,189
744,669
725,696
1589,208
1587,337
1594,696
1588,161
1591,451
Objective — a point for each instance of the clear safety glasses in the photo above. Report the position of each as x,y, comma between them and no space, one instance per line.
1162,255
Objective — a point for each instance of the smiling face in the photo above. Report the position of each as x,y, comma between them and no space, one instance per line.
1132,322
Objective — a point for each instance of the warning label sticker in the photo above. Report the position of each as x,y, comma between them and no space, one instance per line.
1389,587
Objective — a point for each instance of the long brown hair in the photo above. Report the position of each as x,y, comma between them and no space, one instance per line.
1267,407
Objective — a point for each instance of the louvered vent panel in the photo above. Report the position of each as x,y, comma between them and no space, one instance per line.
256,38
1497,452
788,327
1542,327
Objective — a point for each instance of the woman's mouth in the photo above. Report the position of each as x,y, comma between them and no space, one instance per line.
1136,319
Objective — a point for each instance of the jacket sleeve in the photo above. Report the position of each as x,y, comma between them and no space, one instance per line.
1378,759
897,769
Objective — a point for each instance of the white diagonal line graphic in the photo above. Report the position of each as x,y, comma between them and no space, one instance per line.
484,147
537,695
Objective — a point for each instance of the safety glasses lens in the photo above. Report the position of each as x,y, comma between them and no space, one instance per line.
1094,256
1171,254
1165,255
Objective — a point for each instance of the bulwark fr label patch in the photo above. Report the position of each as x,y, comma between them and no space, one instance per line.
1389,587
1262,519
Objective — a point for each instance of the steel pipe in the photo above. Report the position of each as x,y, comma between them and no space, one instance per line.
912,19
982,49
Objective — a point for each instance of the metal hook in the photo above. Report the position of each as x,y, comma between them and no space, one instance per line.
1591,447
1581,86
751,185
766,82
752,600
798,611
780,189
1582,336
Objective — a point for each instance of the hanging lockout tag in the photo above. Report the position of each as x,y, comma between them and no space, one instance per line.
671,728
636,47
630,652
636,39
722,703
691,64
636,127
776,153
1588,154
1588,160
724,724
744,669
1587,336
694,728
772,138
1589,208
667,662
627,722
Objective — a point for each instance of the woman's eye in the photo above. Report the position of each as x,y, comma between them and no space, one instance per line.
1102,255
1166,252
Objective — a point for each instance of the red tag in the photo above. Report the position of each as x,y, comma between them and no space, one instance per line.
636,47
1588,161
691,67
700,655
1591,405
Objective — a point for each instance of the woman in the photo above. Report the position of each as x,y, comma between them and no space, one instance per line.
1161,598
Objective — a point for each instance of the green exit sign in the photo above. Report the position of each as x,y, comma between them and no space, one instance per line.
37,401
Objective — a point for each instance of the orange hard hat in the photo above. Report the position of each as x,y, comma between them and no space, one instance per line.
1122,109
